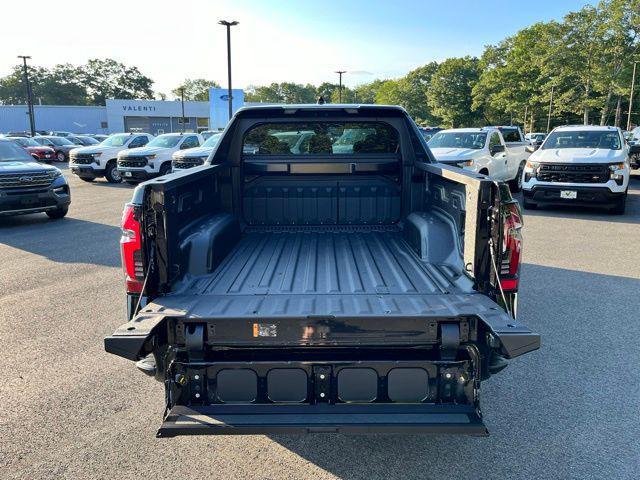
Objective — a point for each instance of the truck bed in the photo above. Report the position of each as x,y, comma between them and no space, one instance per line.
347,271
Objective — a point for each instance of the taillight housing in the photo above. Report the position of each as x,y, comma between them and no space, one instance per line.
511,246
131,250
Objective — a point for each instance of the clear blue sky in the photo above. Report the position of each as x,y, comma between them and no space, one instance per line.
276,40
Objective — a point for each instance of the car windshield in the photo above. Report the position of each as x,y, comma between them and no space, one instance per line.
88,140
165,141
10,152
605,139
59,141
212,141
26,142
115,140
474,140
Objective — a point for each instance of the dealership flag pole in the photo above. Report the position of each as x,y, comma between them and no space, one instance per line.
229,25
27,84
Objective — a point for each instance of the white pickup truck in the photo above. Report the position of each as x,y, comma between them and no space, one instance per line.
100,160
154,160
499,152
579,165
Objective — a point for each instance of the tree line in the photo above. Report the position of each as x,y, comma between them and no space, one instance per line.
581,65
585,61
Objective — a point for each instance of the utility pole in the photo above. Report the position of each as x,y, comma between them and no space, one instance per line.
550,105
229,24
633,84
27,85
182,103
524,122
340,72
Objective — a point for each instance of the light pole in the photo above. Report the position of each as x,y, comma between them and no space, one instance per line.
229,24
633,84
550,104
182,104
27,85
340,72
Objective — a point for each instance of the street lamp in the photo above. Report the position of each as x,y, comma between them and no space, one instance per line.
182,103
229,24
27,85
550,105
340,72
633,84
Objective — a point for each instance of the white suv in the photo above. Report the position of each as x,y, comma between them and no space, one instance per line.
139,164
579,165
483,150
100,160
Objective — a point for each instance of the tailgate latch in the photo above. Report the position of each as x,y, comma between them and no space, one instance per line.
449,340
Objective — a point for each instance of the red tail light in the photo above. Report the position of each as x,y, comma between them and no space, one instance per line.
131,251
511,247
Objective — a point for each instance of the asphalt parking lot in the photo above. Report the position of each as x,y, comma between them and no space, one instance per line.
70,410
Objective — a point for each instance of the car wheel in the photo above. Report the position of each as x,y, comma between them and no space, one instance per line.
60,157
516,184
112,174
165,168
620,206
58,212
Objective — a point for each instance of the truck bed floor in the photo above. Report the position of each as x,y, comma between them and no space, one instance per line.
338,273
276,263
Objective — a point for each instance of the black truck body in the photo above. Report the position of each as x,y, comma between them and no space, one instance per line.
350,289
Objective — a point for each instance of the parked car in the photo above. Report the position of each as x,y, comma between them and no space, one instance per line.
18,134
428,132
82,140
37,151
60,145
273,293
98,136
153,160
192,157
579,165
481,150
100,160
209,133
27,186
61,133
535,139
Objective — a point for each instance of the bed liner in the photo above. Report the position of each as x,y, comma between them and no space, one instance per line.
335,271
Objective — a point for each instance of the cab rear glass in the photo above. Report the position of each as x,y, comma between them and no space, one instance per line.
321,138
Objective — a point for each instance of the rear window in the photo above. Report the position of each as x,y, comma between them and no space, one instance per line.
328,138
510,134
583,139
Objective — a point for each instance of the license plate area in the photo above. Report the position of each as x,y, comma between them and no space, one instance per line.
127,174
568,194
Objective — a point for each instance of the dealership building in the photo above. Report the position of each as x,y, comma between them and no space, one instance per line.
152,116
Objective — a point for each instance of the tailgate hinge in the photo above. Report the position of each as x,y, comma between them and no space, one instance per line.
194,342
449,340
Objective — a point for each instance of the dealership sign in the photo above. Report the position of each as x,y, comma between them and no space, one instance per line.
138,108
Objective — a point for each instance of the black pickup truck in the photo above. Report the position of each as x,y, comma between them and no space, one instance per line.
321,273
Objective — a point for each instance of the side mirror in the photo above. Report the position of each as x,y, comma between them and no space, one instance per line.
496,149
531,148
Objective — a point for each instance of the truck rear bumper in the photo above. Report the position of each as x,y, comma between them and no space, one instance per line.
344,418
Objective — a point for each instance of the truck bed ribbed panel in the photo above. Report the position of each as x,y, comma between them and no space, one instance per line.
323,263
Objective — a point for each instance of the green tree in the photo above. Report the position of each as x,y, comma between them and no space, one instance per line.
59,86
449,93
195,89
108,78
285,92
